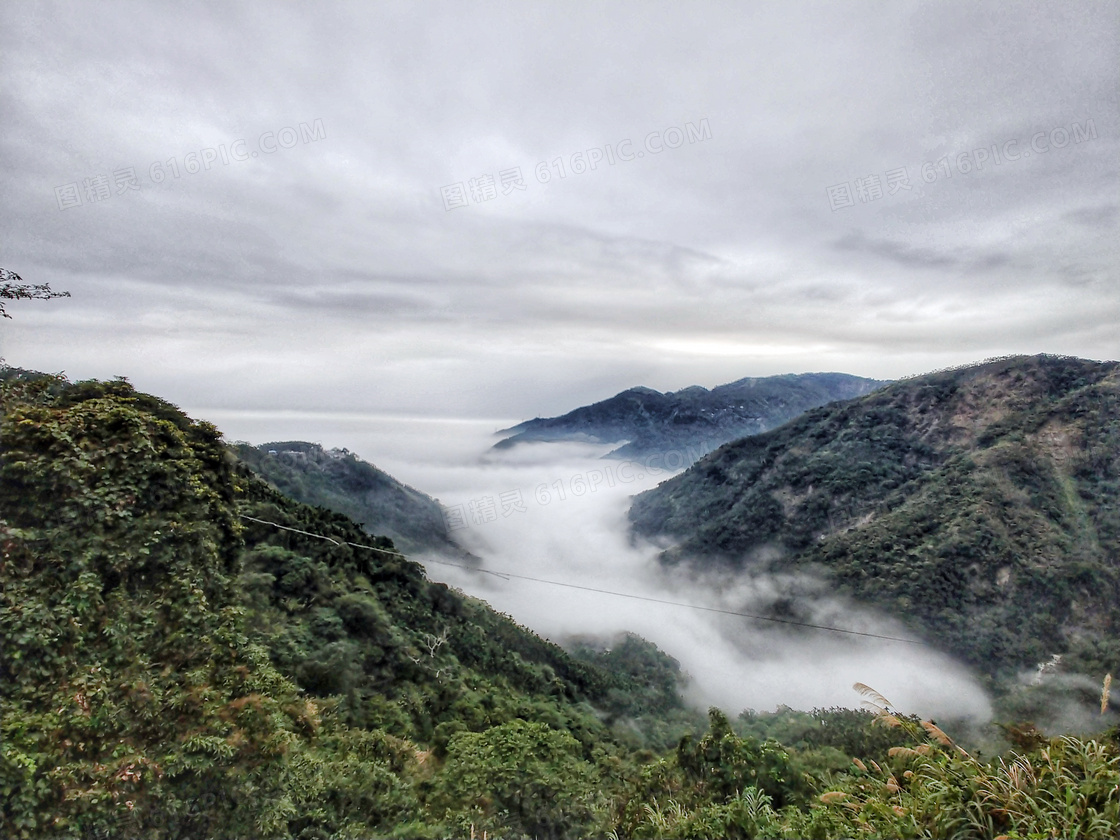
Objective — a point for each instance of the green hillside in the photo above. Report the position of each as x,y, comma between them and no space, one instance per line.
187,653
172,668
340,481
980,505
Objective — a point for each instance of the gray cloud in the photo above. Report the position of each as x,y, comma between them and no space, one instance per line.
716,259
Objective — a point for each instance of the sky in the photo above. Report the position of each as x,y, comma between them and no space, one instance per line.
507,210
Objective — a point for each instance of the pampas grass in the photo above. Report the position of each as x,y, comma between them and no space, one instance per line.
937,733
875,699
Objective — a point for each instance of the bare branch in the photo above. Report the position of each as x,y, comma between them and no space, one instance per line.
12,287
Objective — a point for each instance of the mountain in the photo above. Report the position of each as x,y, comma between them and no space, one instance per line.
694,420
186,652
981,505
338,480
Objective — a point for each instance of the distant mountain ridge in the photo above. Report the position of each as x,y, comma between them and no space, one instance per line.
981,505
338,480
693,419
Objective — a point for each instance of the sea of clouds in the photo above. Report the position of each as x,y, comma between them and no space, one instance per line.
557,512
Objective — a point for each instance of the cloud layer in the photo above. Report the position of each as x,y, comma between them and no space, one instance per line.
263,217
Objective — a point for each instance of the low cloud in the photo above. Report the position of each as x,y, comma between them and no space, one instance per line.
557,512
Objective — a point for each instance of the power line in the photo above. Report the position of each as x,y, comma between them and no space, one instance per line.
309,534
368,547
715,609
512,575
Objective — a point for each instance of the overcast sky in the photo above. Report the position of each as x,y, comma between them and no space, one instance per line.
875,188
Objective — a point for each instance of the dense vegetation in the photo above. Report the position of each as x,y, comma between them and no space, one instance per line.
170,669
980,505
338,480
694,420
159,649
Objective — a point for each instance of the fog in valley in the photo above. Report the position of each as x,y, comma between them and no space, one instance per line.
557,512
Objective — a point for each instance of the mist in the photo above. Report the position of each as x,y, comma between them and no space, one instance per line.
557,512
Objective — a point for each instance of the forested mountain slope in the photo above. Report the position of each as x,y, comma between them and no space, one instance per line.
340,481
981,504
172,669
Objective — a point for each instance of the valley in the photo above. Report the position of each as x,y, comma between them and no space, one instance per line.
224,655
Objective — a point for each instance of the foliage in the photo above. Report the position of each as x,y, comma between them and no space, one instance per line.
339,481
1064,787
128,689
516,779
721,785
169,669
851,732
978,505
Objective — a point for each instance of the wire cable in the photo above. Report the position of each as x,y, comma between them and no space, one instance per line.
512,575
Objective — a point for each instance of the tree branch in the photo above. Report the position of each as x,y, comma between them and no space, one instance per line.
12,287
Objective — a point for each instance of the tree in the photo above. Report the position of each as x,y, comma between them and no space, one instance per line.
520,778
12,287
129,693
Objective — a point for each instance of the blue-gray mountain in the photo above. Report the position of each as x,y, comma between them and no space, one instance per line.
693,420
